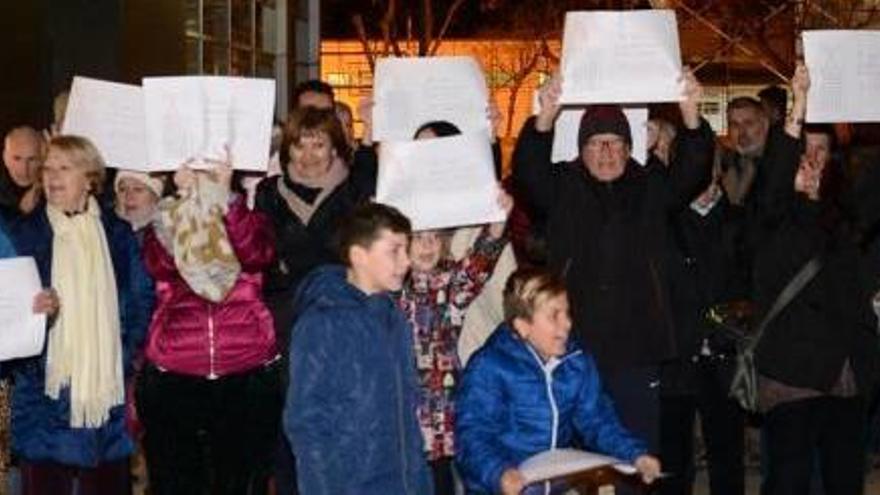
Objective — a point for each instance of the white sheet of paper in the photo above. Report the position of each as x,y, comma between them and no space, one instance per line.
441,182
195,116
844,75
568,123
111,116
621,57
556,463
409,92
22,332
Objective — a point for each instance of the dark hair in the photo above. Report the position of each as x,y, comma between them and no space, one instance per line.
776,97
365,224
743,102
528,288
314,86
309,121
440,128
826,129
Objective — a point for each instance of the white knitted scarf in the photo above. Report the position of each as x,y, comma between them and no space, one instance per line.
84,351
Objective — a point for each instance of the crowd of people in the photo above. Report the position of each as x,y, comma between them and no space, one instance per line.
282,333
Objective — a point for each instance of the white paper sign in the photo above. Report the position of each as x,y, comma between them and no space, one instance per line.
409,92
111,116
195,117
568,123
844,75
621,57
22,332
557,463
441,182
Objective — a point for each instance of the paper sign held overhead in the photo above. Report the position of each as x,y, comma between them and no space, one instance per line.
621,57
409,92
441,182
111,116
844,70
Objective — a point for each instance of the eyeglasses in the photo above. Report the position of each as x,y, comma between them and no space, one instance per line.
613,144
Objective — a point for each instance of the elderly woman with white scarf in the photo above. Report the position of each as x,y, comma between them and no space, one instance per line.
68,419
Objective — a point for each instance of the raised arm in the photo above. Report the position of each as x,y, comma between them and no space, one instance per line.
694,148
533,173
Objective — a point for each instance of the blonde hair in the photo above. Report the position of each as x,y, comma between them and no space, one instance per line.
82,154
529,288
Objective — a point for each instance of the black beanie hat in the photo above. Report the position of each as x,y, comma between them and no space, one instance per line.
602,119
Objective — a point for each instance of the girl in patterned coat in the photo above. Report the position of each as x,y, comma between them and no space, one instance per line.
434,299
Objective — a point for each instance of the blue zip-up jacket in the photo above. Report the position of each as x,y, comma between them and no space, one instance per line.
41,426
351,405
511,406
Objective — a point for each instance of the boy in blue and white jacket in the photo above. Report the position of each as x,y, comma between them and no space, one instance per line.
530,389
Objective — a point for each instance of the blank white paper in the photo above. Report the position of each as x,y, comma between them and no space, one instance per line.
621,57
409,92
844,70
441,182
22,333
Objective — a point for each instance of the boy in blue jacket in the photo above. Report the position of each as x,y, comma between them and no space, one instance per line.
530,389
350,414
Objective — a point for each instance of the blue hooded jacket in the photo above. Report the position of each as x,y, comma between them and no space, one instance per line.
351,406
41,426
511,406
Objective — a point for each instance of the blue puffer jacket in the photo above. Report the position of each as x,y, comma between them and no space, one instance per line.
41,426
351,406
511,406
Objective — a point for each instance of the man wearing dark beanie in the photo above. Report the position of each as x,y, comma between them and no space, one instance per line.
606,228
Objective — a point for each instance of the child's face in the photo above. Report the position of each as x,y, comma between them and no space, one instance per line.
383,265
548,329
426,249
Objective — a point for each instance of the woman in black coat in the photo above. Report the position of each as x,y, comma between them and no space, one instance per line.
818,359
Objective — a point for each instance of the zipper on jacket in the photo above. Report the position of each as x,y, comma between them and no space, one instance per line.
211,374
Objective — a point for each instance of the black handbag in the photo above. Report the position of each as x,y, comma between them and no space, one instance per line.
744,385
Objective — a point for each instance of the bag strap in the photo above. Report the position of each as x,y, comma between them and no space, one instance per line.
794,286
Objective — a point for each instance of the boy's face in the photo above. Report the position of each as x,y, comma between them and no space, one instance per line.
426,249
548,329
383,265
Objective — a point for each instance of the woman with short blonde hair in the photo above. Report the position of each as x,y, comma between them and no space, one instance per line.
68,415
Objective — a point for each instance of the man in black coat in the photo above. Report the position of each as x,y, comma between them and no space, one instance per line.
607,231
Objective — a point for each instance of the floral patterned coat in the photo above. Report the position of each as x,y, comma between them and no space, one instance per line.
435,303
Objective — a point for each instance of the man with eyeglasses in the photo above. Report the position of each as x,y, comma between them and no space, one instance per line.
606,228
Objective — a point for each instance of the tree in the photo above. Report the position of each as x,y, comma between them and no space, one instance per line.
399,22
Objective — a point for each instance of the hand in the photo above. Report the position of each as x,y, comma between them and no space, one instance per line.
505,201
46,302
30,199
649,467
365,110
808,178
185,177
693,92
800,85
221,173
494,115
512,482
800,82
548,96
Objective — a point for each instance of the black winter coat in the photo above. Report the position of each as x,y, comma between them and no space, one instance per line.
611,241
831,320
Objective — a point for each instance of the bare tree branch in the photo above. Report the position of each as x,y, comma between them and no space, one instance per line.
450,15
364,39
